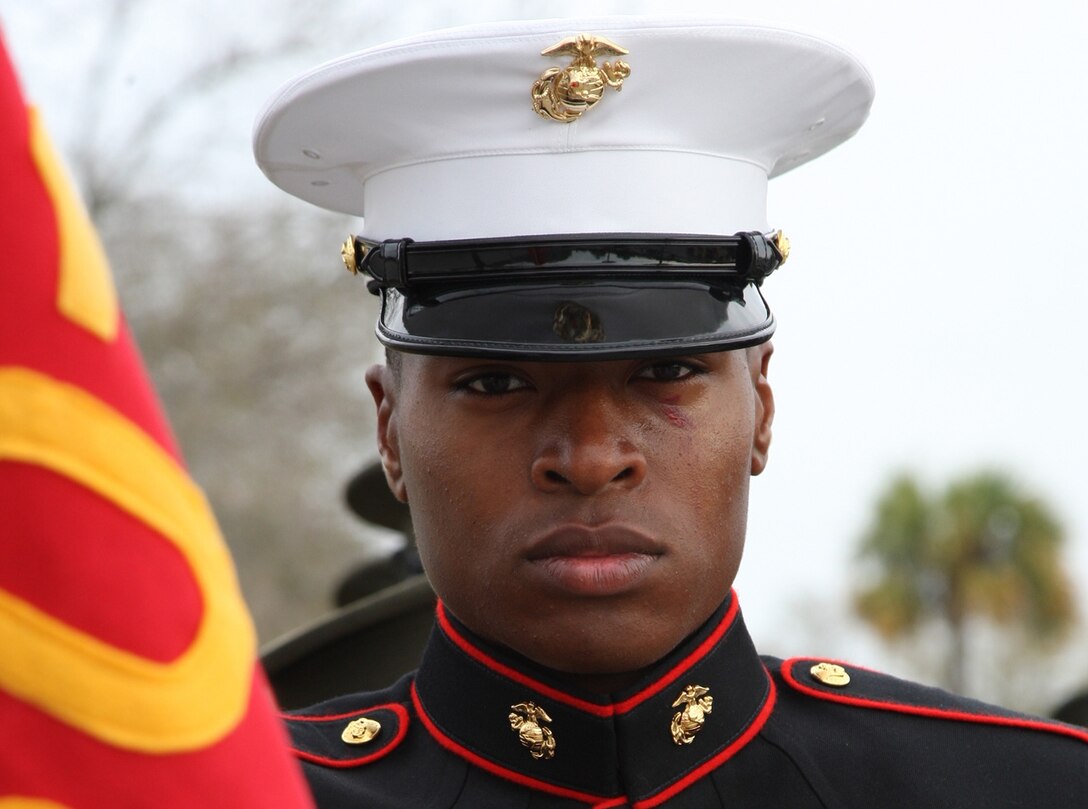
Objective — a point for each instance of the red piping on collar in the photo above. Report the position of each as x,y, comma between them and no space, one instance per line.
716,761
920,710
402,730
596,801
611,709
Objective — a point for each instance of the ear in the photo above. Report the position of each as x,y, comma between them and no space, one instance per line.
383,387
759,359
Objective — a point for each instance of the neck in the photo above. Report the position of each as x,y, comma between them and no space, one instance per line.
604,682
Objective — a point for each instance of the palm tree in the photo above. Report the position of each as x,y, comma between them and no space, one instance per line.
981,550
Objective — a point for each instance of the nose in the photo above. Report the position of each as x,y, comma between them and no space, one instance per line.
588,447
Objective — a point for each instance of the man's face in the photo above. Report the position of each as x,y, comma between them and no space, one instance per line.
588,515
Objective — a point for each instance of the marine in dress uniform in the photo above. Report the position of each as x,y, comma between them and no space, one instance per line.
566,223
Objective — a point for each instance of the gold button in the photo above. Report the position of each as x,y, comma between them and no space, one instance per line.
782,245
830,674
361,731
347,253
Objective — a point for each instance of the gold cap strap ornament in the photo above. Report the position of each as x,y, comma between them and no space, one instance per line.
563,94
781,244
353,251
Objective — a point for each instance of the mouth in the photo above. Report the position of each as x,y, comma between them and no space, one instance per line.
594,561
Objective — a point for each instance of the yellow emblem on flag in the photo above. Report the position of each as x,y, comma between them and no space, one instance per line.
85,291
110,693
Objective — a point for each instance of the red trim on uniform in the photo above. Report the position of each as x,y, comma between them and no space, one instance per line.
398,737
720,758
597,801
611,709
919,710
389,706
482,657
701,651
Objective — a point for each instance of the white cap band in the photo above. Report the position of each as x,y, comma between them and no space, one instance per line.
573,192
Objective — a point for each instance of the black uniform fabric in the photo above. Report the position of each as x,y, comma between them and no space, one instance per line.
774,736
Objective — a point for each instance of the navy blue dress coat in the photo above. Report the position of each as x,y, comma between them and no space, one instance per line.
713,725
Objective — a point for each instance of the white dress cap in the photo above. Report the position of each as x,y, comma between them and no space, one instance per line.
436,137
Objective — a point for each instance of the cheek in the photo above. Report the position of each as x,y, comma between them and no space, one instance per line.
461,475
458,485
712,445
708,467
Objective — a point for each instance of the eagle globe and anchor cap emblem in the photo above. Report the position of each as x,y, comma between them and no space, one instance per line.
528,719
564,93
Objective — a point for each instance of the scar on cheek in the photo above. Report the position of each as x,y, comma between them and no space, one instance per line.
676,416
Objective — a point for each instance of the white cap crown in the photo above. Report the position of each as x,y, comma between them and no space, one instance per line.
436,137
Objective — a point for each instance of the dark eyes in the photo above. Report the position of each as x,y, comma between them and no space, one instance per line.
494,383
498,382
669,371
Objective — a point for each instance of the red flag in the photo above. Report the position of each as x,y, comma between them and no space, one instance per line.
127,658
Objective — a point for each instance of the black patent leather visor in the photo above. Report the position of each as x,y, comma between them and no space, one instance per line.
602,298
570,321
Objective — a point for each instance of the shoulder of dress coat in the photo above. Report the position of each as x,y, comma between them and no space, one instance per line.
850,685
353,730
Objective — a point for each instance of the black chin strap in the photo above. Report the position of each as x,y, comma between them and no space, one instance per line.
402,263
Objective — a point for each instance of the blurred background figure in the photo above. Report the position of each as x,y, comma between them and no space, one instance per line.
383,616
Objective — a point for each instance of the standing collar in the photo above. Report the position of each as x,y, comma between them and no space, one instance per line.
522,722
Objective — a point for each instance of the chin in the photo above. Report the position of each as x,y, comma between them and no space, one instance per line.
607,644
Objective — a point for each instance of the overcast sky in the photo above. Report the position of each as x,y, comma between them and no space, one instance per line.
932,316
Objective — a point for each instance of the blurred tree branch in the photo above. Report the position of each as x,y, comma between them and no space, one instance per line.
254,340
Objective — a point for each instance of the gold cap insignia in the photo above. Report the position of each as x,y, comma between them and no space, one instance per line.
577,324
830,674
528,720
361,731
564,93
690,719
